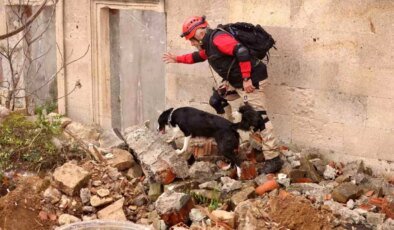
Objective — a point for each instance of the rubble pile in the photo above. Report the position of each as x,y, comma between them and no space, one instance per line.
143,180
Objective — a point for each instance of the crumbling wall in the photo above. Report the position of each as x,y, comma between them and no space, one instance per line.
330,78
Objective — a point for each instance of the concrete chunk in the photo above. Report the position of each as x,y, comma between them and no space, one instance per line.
174,207
113,212
158,160
70,178
122,159
346,191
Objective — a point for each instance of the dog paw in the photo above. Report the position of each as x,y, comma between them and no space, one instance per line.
238,172
179,151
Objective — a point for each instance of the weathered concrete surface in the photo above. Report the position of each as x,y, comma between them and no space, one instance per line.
158,160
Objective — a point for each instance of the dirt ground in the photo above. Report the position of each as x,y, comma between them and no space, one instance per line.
19,209
297,213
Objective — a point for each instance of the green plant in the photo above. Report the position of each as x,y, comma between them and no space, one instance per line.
27,144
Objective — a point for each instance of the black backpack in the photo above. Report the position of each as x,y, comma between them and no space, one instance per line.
253,37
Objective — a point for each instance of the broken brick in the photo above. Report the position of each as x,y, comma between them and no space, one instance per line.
174,207
266,187
248,170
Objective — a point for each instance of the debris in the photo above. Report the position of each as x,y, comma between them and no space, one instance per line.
52,195
266,187
96,201
244,194
224,216
230,184
122,159
70,178
346,191
113,211
68,219
174,207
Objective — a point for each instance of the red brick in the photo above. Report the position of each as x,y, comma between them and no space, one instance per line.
182,215
248,170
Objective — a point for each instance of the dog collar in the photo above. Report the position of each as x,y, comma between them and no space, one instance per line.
170,117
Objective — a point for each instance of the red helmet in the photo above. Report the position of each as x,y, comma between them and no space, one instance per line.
191,25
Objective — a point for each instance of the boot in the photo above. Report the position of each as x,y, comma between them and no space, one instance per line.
272,166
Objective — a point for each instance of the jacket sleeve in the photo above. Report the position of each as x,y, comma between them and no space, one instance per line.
198,56
228,45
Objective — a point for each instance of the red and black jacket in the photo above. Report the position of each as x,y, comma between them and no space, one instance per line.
218,48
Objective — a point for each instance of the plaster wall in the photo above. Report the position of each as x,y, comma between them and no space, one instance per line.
331,78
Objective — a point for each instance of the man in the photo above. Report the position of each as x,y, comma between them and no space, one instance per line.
232,61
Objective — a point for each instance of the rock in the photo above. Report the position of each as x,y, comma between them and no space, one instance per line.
250,215
69,178
113,173
346,191
88,209
155,189
84,194
103,192
388,224
68,219
242,195
230,184
296,174
113,212
213,185
135,171
196,215
375,219
158,160
283,180
174,207
306,187
52,195
64,202
122,159
224,216
350,204
181,186
109,140
97,183
260,179
319,165
295,164
202,171
329,173
350,216
140,200
343,178
96,201
351,169
310,170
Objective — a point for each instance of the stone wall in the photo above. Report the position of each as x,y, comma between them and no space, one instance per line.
330,78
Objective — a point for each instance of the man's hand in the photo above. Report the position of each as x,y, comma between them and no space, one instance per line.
169,58
248,86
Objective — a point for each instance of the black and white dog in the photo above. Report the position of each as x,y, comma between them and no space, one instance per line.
197,123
